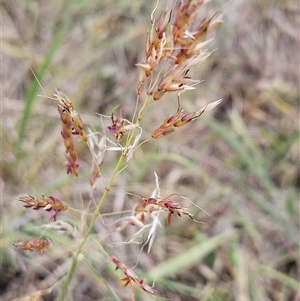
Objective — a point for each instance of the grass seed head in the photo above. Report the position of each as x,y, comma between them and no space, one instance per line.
37,245
50,204
130,276
72,125
180,119
120,126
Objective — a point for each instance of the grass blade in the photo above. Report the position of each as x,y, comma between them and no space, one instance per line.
191,256
34,85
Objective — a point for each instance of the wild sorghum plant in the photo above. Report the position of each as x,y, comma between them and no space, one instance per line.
175,43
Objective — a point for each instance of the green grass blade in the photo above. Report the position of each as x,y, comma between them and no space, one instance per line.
31,94
111,293
278,276
253,165
191,256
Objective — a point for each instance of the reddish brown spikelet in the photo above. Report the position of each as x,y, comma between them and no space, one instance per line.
180,119
168,205
71,164
50,204
32,202
155,44
66,106
155,49
189,40
145,208
119,127
37,245
130,276
176,120
71,125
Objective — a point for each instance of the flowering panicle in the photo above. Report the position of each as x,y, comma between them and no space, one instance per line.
180,119
154,204
71,125
50,204
130,276
37,245
180,44
174,45
120,126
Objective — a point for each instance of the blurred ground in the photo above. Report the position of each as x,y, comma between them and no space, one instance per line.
240,162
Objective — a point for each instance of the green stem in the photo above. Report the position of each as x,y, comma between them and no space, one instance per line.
72,269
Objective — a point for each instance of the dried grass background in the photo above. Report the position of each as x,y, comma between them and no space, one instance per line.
240,162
